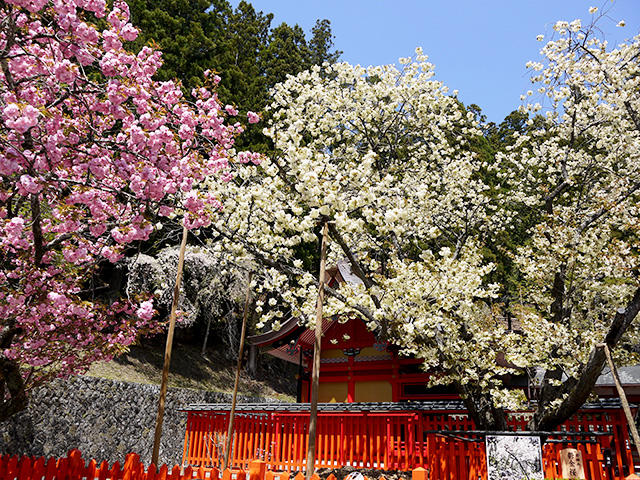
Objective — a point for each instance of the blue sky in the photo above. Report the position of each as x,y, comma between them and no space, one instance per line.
478,47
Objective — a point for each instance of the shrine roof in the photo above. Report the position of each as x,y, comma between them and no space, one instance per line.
271,336
290,340
434,405
628,376
333,407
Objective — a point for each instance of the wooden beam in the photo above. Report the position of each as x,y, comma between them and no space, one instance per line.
623,397
227,449
315,373
167,350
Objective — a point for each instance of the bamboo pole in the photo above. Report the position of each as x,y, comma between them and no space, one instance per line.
623,397
315,373
167,351
227,449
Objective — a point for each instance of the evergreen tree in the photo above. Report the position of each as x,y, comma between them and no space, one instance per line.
287,54
189,33
321,43
246,36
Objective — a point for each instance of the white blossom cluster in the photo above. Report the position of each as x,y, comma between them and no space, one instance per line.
210,286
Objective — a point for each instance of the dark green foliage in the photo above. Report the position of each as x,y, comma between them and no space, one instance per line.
499,247
321,44
199,35
246,35
502,135
240,45
286,54
243,84
188,32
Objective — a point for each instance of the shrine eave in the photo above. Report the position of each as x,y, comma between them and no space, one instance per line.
273,336
433,405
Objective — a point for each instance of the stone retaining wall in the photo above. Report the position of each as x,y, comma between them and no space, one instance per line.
104,419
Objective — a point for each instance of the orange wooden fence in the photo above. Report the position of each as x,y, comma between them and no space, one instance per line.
442,442
73,467
450,459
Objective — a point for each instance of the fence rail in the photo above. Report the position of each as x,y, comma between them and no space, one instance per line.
73,467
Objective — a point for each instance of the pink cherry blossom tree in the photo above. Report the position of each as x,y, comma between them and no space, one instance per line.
93,154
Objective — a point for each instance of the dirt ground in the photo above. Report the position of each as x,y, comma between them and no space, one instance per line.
342,473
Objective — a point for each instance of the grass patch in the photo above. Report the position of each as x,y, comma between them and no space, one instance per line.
189,369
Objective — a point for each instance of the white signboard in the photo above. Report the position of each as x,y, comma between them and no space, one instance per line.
514,458
571,461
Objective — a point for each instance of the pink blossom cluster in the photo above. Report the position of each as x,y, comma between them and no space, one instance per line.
249,157
253,117
92,152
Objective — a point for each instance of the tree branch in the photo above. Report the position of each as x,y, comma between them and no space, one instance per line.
548,200
577,390
13,398
558,293
36,229
354,262
597,215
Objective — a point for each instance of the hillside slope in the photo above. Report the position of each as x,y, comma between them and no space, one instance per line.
189,369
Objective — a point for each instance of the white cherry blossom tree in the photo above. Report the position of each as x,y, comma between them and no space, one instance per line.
581,175
383,154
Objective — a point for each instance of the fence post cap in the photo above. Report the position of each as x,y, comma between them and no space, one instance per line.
257,469
419,474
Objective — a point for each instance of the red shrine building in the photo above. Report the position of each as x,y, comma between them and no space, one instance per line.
354,366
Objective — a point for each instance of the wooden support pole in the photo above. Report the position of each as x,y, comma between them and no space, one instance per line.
167,350
315,373
623,397
232,413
